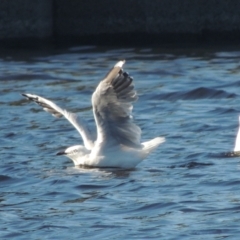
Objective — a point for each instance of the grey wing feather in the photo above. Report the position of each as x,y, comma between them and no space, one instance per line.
58,112
112,107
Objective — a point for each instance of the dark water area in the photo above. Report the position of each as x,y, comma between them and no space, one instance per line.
189,188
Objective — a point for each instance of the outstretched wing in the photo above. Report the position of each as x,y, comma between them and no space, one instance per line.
56,111
112,108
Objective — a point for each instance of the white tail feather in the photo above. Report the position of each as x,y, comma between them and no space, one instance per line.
151,145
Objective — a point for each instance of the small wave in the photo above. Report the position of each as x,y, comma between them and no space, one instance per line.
192,164
79,200
231,84
4,178
197,93
9,135
92,186
24,77
222,110
203,92
155,206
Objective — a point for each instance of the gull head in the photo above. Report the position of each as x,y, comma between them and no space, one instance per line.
75,153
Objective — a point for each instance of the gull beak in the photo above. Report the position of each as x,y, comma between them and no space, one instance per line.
61,153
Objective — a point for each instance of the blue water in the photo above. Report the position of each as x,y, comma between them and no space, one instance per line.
189,188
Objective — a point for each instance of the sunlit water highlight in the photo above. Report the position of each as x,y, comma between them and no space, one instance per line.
188,189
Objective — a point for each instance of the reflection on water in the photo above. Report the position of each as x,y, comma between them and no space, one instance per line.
188,187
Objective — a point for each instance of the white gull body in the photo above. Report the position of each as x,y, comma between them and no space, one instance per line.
118,137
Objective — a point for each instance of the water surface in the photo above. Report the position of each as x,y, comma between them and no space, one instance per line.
189,188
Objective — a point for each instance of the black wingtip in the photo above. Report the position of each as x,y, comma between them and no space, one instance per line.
26,96
29,96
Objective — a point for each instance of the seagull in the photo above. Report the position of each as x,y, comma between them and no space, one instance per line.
117,144
237,142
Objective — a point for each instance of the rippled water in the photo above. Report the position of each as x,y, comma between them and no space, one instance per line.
188,189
